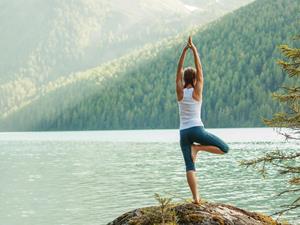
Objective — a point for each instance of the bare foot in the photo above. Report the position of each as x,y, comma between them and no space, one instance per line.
194,153
196,202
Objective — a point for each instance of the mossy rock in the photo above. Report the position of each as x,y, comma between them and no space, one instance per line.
191,214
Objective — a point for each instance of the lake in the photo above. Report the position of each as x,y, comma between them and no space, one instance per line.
91,177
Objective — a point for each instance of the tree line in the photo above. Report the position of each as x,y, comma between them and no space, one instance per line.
237,54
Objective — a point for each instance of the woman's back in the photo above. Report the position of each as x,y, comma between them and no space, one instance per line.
189,110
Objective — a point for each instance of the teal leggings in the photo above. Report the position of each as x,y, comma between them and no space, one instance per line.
198,135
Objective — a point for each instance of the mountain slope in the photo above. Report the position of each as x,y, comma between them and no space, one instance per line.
238,54
45,40
67,36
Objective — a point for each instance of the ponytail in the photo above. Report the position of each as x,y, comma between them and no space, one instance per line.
189,76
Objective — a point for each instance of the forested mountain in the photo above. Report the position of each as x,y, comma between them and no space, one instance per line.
238,54
42,41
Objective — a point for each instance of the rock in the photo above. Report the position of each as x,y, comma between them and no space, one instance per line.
190,214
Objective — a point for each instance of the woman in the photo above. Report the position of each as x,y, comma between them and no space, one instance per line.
193,136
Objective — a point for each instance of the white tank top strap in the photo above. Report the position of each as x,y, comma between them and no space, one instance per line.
189,110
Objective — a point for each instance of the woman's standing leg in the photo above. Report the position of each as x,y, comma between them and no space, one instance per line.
190,166
192,181
190,172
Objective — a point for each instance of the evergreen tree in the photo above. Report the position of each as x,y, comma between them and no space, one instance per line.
290,96
286,163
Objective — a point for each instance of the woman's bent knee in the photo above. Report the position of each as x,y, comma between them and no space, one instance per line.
225,148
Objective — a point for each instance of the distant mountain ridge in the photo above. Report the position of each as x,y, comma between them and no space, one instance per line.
62,34
238,54
42,41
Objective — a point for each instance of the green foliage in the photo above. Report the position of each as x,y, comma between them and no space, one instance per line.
290,96
164,214
138,90
59,38
164,205
286,163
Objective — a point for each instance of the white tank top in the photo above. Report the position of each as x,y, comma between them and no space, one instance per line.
189,110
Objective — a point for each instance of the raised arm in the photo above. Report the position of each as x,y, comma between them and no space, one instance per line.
179,74
199,74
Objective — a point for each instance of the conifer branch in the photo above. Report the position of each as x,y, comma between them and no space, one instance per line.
285,163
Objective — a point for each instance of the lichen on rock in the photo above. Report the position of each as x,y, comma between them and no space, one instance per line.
191,214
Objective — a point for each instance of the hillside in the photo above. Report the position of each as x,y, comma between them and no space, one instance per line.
238,53
42,41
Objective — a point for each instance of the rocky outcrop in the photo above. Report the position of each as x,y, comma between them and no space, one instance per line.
191,214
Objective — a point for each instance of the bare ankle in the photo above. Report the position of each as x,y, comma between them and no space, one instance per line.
196,201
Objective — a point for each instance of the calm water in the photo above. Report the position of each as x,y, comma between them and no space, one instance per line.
88,178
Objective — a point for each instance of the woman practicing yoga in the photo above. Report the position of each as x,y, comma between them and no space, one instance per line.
193,136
